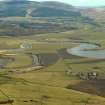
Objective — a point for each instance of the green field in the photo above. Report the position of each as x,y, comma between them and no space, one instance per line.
51,84
35,65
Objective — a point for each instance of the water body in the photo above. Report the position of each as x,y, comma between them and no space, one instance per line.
85,50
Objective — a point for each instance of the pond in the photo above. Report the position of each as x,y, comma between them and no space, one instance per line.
87,50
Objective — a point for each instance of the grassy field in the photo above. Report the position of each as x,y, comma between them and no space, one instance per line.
58,81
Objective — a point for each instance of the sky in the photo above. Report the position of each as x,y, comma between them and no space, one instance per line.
81,2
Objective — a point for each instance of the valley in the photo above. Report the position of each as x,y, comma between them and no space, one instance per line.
53,72
51,54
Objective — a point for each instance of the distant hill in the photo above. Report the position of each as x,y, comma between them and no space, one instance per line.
50,12
96,12
46,17
59,5
36,9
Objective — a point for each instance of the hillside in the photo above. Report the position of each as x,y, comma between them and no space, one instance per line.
36,9
25,17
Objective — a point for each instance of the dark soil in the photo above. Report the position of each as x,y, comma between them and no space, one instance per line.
96,87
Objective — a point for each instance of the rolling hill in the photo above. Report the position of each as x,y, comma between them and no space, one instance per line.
36,9
23,17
